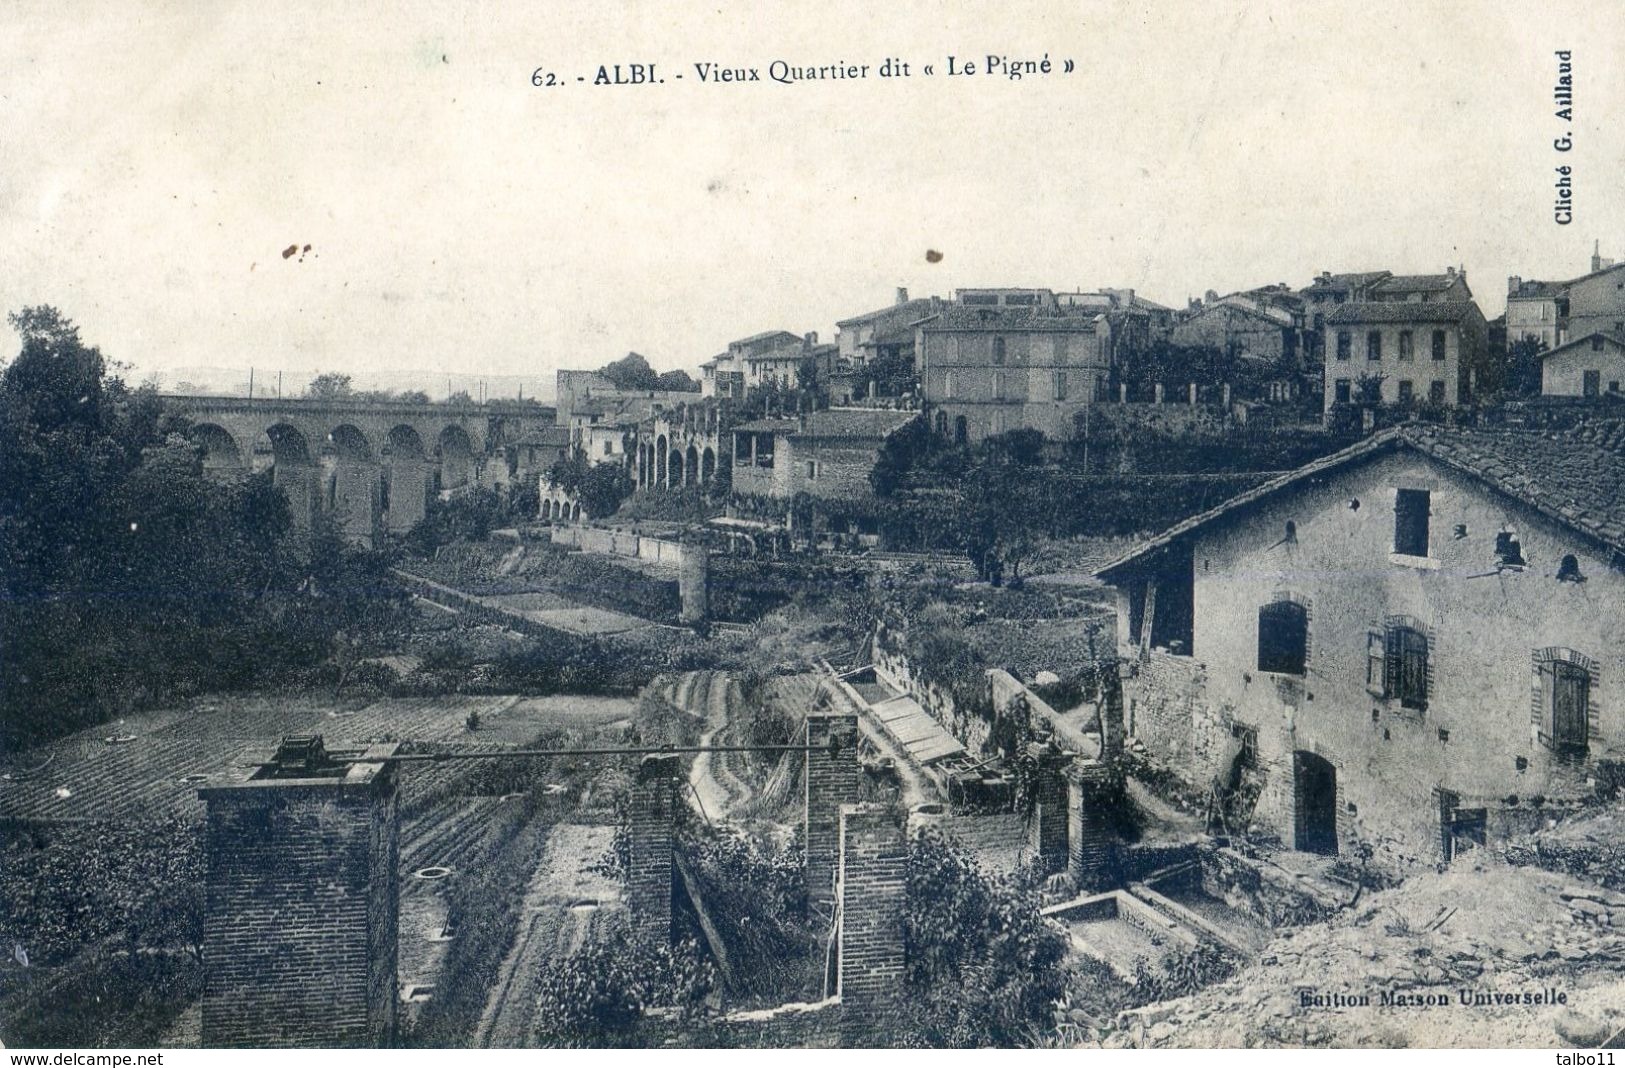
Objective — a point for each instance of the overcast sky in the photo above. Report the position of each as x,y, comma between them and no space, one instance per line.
158,159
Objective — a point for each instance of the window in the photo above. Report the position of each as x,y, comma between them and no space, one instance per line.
609,448
1593,383
1283,637
1397,664
1345,344
998,351
1436,391
1564,710
948,384
998,385
812,469
1341,391
1320,322
1438,344
1060,385
1411,522
1407,392
1373,345
1406,347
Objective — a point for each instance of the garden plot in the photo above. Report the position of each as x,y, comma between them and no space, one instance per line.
155,762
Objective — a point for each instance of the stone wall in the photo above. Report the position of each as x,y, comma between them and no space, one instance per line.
607,542
299,932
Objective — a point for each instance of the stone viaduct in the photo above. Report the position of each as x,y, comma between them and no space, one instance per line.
372,464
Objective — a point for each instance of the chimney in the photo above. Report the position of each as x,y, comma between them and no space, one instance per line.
1326,276
1212,296
1514,283
1596,255
902,294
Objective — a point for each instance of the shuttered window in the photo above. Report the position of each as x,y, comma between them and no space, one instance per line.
1411,522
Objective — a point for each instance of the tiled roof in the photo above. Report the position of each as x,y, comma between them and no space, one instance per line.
763,336
1006,321
1539,290
912,308
855,423
767,426
1575,478
547,435
1617,339
1416,283
1402,311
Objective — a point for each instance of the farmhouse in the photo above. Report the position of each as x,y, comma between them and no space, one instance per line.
1410,645
1585,367
826,454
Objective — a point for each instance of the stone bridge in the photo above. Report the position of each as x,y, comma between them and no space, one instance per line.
373,464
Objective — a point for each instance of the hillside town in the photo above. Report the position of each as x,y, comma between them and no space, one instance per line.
1013,667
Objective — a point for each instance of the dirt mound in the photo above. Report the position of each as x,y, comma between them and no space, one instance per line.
1482,956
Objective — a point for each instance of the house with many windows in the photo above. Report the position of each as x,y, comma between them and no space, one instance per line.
1405,353
1411,645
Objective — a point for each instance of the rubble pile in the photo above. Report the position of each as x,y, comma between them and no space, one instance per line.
1487,956
1590,846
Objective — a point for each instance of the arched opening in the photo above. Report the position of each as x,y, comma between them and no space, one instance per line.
674,469
1314,803
692,464
406,482
293,470
575,512
456,453
662,473
942,424
708,466
354,493
222,458
961,430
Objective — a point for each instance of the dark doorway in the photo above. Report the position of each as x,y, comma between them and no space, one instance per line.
1315,804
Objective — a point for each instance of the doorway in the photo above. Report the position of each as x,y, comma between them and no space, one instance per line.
1315,803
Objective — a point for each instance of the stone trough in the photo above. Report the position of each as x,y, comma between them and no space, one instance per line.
1120,929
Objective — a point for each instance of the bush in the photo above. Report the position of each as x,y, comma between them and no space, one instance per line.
597,997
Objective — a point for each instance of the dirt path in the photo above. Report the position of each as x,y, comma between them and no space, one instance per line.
706,791
563,903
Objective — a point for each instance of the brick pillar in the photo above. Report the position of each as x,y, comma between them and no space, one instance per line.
831,776
1047,829
301,895
1092,847
654,803
873,880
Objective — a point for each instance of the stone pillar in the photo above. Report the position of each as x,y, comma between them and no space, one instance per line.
869,943
1092,848
1224,400
1157,393
1191,392
1112,716
1122,393
693,583
357,500
1047,828
408,494
299,927
300,484
831,777
654,804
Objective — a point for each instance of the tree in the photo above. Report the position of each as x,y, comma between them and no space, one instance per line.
902,450
329,386
1524,366
602,489
677,382
630,372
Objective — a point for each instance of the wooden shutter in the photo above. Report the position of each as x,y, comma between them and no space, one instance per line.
1376,663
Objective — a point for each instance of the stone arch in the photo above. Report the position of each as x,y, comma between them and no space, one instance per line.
662,472
708,465
961,430
575,512
942,424
692,464
406,483
354,490
293,471
456,453
674,468
223,458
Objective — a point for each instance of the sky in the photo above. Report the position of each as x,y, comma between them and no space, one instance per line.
159,158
